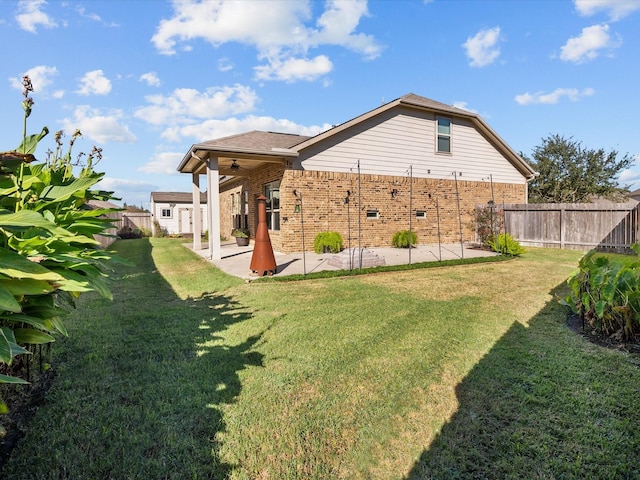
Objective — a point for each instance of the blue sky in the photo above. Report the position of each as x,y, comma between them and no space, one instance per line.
144,80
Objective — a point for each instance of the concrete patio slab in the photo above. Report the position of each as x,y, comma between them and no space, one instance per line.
236,260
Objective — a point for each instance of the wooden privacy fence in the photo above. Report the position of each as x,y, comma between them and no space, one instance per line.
582,226
139,220
123,220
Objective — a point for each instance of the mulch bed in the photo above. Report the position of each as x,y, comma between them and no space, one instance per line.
575,323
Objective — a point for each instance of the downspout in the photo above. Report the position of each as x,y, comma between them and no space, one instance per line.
531,177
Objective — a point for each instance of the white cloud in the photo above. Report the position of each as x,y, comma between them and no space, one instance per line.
185,104
121,184
151,79
133,192
338,24
482,48
630,176
94,83
91,16
210,129
30,15
164,163
279,30
292,69
463,106
573,94
98,126
617,9
588,44
41,77
224,64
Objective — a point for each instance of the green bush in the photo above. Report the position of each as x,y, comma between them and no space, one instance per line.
404,239
129,232
605,293
240,233
506,244
328,242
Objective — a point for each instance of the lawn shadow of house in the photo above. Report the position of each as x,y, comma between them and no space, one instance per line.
539,404
206,371
153,382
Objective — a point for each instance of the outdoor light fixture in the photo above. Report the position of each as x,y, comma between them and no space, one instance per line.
234,165
394,192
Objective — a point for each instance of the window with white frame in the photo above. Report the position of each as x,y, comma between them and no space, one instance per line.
443,140
373,214
272,192
421,214
166,213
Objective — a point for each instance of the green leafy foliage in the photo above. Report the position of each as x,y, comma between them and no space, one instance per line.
488,221
571,173
240,233
404,239
506,244
48,254
605,292
328,242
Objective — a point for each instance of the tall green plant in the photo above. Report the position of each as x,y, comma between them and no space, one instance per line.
48,254
606,294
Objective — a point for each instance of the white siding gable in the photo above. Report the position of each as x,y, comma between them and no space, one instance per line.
180,221
393,141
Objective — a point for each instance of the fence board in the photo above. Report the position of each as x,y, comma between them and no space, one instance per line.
583,226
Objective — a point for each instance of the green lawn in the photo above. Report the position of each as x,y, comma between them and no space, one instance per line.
452,372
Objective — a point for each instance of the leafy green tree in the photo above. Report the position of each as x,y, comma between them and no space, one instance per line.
571,173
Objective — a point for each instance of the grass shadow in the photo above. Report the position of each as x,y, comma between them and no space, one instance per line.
542,403
141,383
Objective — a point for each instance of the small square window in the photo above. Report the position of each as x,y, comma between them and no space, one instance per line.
166,213
372,214
421,214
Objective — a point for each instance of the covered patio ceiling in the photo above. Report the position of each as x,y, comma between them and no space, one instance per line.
232,163
239,154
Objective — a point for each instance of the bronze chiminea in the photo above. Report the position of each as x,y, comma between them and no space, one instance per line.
263,261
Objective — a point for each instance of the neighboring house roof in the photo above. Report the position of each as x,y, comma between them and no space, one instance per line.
102,204
176,197
635,194
260,145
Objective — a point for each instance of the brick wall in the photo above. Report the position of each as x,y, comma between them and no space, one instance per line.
236,188
324,208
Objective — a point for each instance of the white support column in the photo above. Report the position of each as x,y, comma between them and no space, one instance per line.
197,213
213,207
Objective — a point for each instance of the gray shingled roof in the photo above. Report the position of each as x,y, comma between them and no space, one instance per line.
428,103
176,197
256,140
